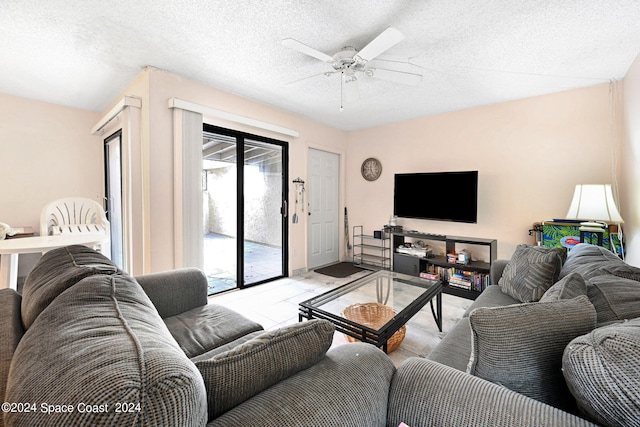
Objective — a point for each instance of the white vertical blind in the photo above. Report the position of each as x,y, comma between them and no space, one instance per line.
188,234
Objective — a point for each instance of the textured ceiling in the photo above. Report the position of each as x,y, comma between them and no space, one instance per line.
83,53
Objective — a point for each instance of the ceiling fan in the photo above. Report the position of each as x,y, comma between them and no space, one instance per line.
350,62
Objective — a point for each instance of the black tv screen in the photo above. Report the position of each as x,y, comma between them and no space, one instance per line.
442,196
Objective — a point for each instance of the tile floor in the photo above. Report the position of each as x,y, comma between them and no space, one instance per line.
275,304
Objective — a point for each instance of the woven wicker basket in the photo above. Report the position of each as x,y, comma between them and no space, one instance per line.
374,315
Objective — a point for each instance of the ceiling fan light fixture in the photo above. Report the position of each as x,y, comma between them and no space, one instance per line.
349,61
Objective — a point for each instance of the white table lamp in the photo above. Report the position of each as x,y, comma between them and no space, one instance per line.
594,202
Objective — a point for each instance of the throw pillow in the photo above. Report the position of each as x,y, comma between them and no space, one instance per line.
568,287
531,271
239,374
520,346
602,370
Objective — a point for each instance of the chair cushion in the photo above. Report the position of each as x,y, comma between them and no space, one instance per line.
615,298
568,287
57,271
204,328
531,271
102,342
235,376
520,346
602,369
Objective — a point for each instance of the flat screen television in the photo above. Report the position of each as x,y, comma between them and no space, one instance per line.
441,196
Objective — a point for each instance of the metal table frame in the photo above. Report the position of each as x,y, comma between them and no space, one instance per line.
433,288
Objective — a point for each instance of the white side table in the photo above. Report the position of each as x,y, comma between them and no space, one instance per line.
11,248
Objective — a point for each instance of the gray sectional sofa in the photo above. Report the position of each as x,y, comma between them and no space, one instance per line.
560,328
87,345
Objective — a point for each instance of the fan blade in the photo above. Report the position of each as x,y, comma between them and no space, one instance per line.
326,73
396,76
301,47
387,39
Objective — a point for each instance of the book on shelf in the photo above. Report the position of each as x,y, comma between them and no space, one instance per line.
430,276
459,283
464,279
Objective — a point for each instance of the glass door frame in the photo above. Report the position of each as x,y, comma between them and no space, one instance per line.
117,245
240,211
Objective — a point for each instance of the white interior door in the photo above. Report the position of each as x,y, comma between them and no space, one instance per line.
323,231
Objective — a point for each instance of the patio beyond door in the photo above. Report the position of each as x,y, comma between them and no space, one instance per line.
244,199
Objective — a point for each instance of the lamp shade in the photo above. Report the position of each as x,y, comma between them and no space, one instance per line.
594,202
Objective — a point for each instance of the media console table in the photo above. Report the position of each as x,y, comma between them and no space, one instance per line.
477,272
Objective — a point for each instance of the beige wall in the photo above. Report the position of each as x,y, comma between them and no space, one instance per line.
46,152
630,181
530,154
157,136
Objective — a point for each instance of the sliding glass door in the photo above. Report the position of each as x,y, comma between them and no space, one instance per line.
244,208
264,205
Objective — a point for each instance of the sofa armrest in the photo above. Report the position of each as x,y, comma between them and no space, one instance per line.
426,393
497,268
176,291
12,332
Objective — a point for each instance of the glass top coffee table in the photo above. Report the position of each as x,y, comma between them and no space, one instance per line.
397,297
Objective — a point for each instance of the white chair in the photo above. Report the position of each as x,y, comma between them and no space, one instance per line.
75,215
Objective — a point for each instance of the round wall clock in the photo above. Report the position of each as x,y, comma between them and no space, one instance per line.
371,169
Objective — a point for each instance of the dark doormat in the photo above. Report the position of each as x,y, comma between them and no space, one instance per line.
341,269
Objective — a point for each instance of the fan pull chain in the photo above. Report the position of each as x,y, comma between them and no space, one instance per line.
341,90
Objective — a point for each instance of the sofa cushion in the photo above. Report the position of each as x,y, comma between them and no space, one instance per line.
568,287
102,342
623,270
531,271
602,369
520,346
347,387
235,376
11,332
455,348
226,347
204,328
588,260
614,298
57,271
492,296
